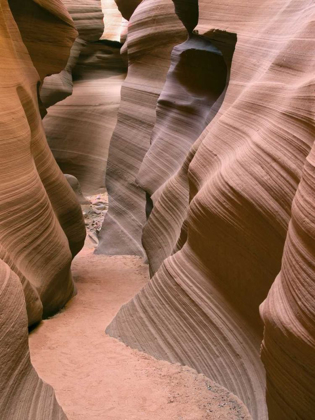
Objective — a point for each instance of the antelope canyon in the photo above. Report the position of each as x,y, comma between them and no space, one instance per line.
157,210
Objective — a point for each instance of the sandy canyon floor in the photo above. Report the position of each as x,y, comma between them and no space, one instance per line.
97,377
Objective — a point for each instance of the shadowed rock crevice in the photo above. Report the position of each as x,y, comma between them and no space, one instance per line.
192,95
188,13
127,8
196,79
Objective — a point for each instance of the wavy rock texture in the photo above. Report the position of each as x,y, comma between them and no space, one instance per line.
196,79
289,313
41,223
191,97
166,231
87,16
55,40
80,127
202,306
58,87
23,395
47,31
88,19
149,45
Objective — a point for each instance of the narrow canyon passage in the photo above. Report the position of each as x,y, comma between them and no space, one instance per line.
157,225
96,377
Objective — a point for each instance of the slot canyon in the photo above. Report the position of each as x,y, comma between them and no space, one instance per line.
157,210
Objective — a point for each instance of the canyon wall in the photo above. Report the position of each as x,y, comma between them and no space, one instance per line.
41,223
84,98
210,175
289,312
23,395
149,45
219,214
192,95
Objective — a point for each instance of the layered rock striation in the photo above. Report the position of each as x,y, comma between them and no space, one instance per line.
41,223
211,175
47,32
149,45
289,312
41,226
22,393
219,224
80,126
192,95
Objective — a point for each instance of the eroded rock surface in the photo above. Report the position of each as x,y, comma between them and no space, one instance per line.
239,181
149,45
79,128
47,31
212,155
289,312
23,395
192,95
41,224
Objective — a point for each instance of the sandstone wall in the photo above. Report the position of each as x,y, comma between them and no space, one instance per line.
225,216
85,98
149,45
41,223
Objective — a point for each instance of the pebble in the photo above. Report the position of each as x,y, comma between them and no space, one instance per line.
100,206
